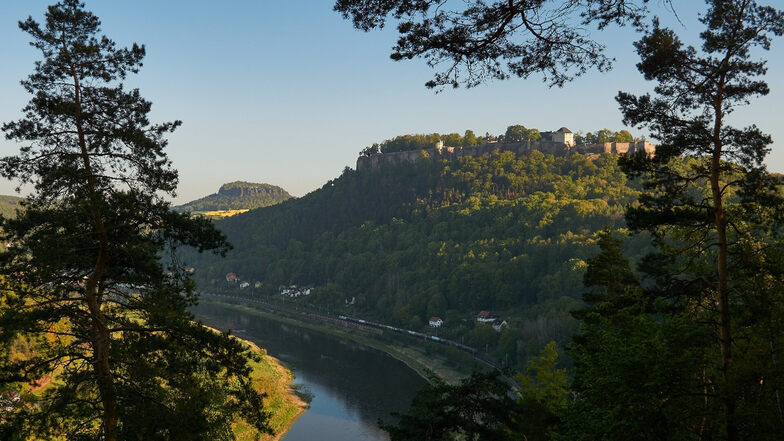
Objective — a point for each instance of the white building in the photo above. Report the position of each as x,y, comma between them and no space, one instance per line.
564,135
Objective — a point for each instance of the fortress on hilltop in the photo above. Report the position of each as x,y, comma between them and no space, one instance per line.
558,143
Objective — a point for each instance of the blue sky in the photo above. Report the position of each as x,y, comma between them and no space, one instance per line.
287,92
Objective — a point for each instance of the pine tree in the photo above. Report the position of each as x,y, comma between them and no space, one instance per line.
478,408
637,360
86,284
709,195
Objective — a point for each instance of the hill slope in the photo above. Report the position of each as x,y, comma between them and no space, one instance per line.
445,239
238,195
8,205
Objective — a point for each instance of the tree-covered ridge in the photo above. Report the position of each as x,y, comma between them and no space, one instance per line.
443,239
514,133
403,143
8,205
238,195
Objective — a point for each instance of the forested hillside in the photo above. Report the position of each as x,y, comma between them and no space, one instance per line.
448,239
238,196
8,205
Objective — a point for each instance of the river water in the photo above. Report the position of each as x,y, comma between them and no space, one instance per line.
353,385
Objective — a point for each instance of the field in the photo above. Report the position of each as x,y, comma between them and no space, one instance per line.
220,213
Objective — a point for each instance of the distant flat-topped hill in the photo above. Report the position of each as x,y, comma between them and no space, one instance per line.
236,197
8,205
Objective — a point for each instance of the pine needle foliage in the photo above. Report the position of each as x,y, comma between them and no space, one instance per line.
94,277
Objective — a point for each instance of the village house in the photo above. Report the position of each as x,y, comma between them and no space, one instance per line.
485,317
232,278
244,285
435,322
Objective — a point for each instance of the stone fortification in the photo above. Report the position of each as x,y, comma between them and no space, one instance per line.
518,148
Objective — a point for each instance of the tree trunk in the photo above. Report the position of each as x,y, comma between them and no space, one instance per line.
725,335
100,332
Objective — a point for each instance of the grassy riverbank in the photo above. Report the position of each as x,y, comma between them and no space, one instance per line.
283,402
416,358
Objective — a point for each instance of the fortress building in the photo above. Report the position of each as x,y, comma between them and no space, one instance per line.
562,135
558,143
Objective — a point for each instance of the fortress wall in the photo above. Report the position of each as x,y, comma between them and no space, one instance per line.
519,148
622,148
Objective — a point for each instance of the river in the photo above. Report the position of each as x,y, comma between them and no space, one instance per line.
352,385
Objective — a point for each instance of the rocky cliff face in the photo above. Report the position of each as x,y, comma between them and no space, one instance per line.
238,195
240,189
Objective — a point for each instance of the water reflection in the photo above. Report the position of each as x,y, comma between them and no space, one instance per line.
353,385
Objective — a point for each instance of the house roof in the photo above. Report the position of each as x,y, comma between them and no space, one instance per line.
484,314
564,130
435,319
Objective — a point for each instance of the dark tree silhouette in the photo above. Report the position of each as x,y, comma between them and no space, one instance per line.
472,42
84,281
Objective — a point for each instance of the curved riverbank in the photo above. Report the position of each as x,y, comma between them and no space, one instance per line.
352,386
283,402
415,358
